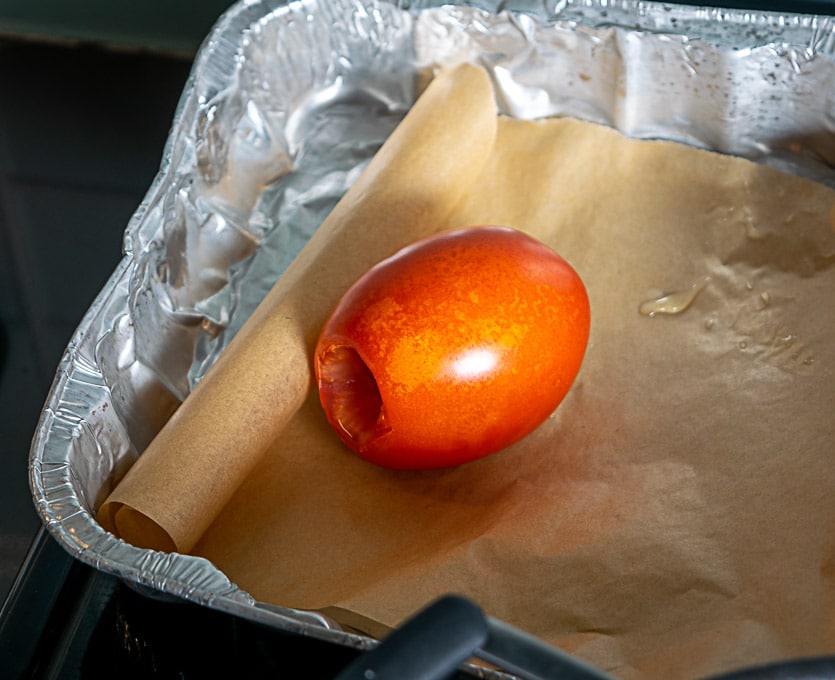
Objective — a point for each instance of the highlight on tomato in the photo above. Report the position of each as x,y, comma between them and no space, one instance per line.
452,349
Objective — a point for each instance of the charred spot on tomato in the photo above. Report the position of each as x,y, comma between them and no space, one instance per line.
350,395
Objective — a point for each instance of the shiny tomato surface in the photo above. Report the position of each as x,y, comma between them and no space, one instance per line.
452,349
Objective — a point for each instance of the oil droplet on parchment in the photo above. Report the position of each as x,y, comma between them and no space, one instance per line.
672,303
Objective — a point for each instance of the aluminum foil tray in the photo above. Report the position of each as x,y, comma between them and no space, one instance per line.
285,105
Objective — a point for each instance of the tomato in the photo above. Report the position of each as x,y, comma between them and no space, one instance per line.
452,349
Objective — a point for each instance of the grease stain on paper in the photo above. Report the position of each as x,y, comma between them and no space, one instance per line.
672,303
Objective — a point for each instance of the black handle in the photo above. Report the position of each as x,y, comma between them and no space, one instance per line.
451,630
434,643
429,646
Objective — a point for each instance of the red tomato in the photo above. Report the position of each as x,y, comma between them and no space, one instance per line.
452,349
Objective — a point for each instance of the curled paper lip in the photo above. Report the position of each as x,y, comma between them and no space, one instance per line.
191,469
127,521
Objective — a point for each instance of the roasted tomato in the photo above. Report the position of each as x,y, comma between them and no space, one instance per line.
453,348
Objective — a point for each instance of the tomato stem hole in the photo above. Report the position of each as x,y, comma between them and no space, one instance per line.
350,393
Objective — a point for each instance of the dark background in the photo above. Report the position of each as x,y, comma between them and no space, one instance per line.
82,127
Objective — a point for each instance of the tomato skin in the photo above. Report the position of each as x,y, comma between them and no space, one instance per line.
453,348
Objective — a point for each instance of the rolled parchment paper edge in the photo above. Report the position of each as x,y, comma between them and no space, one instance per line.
193,466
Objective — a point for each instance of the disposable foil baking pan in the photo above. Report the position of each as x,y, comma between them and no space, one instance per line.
285,105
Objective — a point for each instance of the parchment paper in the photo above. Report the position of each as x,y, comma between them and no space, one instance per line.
189,471
676,515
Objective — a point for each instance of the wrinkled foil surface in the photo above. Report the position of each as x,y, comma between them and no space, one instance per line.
285,105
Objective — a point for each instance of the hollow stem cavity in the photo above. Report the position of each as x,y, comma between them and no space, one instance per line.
350,395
